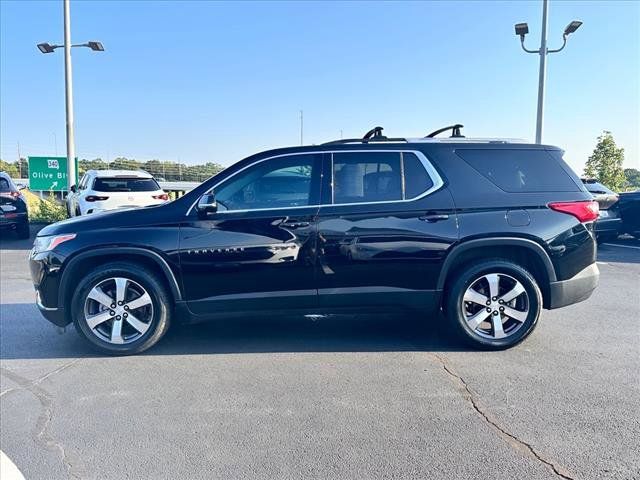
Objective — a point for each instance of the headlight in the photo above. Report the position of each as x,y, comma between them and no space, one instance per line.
44,244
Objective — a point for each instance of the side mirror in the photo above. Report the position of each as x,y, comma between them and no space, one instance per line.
207,205
73,188
21,186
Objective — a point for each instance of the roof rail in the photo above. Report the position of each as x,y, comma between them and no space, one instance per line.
373,135
454,134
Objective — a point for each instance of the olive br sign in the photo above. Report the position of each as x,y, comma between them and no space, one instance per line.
49,173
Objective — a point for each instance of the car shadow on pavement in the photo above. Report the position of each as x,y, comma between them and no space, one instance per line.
31,337
620,251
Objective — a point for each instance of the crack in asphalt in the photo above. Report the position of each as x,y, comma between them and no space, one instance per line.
510,438
72,462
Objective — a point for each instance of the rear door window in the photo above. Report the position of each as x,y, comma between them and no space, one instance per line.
366,177
125,184
521,171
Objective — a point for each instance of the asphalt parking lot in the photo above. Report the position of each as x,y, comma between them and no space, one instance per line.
338,397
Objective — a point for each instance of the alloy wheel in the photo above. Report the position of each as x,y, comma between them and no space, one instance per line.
495,306
118,310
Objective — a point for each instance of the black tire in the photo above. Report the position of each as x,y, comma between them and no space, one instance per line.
455,307
22,230
161,302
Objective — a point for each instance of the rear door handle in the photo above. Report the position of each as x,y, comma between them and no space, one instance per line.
434,217
294,224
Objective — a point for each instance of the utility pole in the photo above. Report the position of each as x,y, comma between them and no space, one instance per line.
68,90
19,161
301,128
522,29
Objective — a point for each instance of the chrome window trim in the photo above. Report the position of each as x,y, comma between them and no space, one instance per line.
438,183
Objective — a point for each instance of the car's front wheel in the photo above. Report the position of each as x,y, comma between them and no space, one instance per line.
494,304
121,308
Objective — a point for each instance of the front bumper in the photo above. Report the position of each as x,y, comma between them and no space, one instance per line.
54,315
575,289
45,274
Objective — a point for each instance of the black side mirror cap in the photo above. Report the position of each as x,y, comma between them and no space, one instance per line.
207,205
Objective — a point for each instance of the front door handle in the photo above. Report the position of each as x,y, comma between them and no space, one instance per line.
434,217
294,224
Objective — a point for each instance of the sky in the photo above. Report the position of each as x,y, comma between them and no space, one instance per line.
198,81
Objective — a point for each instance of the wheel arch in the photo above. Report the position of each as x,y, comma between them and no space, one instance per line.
522,251
88,260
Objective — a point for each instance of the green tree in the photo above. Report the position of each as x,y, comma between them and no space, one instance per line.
633,178
10,168
605,163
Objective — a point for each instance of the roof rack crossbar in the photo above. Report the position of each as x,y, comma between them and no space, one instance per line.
454,134
374,135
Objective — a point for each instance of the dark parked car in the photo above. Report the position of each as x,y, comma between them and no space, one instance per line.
489,231
609,222
13,207
628,207
619,213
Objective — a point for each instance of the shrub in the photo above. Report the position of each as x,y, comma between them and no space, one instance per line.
45,210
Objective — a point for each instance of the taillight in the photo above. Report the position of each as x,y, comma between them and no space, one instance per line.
585,211
95,198
14,195
162,196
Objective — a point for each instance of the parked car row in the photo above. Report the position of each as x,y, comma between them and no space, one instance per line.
619,213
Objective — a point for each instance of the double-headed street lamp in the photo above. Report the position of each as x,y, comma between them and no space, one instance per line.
68,87
522,29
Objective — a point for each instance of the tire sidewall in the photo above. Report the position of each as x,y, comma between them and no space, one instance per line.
468,277
147,280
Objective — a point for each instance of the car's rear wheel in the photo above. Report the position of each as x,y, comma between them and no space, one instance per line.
494,304
121,309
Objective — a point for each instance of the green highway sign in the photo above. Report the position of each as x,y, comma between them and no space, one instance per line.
49,173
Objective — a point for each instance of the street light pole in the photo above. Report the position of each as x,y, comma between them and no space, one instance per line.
543,70
68,87
522,29
68,90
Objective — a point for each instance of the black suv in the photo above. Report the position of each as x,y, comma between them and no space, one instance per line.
489,231
13,207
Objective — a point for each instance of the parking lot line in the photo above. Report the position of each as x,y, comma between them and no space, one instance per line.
622,246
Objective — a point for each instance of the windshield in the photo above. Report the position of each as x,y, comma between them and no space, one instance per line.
131,184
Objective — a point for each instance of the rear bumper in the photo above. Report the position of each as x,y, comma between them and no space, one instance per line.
575,289
13,219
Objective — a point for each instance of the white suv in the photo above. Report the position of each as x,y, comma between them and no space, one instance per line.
101,190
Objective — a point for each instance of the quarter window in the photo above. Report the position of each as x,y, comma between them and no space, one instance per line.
278,183
521,171
416,178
